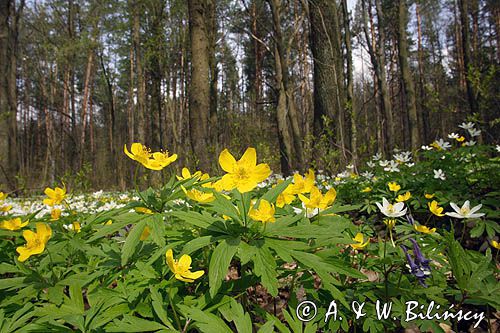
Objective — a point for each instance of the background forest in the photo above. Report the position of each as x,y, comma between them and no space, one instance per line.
324,83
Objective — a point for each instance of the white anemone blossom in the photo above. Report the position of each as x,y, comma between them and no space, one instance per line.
391,210
474,132
439,174
466,126
465,212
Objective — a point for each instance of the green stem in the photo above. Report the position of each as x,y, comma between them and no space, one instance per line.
176,317
244,209
385,270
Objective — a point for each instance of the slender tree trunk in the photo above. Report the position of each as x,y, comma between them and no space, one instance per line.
407,79
141,86
199,91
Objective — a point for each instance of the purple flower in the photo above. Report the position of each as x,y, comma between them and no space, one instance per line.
420,266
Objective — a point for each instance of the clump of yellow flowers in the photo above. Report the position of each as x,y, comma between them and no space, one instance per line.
182,267
35,241
153,161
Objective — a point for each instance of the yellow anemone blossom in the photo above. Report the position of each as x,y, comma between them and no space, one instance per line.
318,200
143,210
200,196
35,242
143,155
13,224
303,184
424,229
460,139
55,214
366,189
244,174
55,196
359,239
403,197
181,268
495,244
186,174
435,209
286,197
394,187
3,196
429,195
5,208
265,212
145,233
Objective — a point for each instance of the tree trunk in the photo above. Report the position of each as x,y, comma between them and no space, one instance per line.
329,99
199,91
9,32
406,76
141,87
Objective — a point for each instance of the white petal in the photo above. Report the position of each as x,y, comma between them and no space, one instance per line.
475,209
455,207
458,216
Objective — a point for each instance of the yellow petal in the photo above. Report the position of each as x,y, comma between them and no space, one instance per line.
227,161
184,262
249,158
193,275
170,260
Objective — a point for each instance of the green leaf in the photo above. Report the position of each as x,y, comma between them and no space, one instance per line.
273,193
157,226
234,312
198,243
265,268
157,302
132,241
134,324
219,263
208,322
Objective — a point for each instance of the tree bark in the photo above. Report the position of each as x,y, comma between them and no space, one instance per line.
406,76
199,91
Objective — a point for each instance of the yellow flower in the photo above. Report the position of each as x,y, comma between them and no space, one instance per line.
143,155
143,210
265,212
359,245
35,242
303,184
55,214
435,209
13,224
286,197
495,244
318,200
424,229
244,174
185,174
55,196
76,227
109,222
200,196
145,233
460,139
5,208
429,195
390,223
366,189
403,197
181,268
163,158
3,196
436,145
394,187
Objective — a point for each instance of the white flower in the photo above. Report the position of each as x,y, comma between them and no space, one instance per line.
453,136
470,143
350,167
444,145
383,163
410,164
377,156
391,210
426,147
474,132
466,126
465,212
372,165
367,174
403,157
497,148
392,167
439,174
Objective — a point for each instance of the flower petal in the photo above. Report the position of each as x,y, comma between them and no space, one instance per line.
249,158
227,161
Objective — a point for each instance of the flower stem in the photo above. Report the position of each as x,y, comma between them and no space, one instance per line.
244,209
176,317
